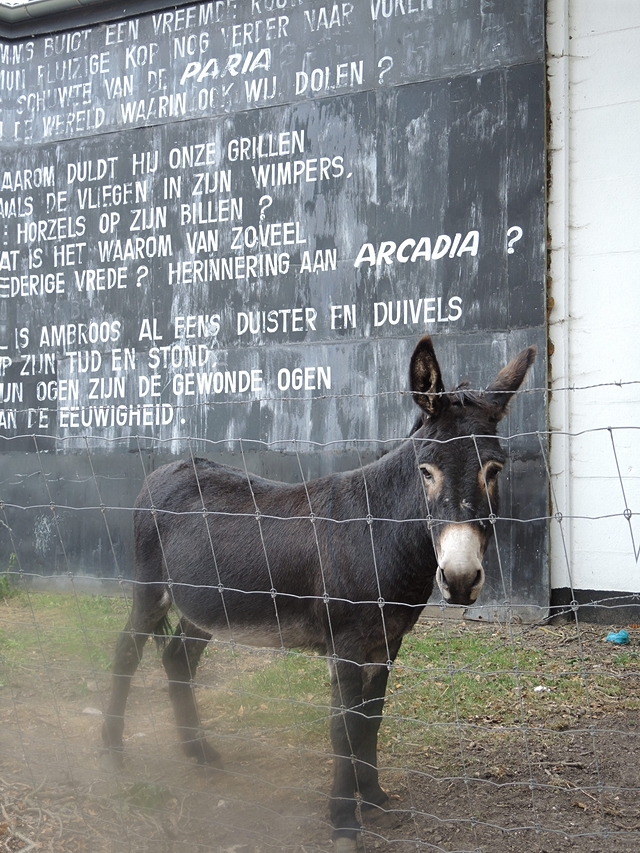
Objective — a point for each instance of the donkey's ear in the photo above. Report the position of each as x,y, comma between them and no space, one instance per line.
425,378
509,380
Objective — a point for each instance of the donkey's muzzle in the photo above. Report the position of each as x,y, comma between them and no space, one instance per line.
460,575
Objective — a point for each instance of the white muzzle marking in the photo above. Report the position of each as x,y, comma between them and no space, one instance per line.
460,575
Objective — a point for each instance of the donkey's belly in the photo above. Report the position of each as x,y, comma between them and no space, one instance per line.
252,619
287,634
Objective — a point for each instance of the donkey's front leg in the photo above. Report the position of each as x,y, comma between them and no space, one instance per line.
375,675
348,724
180,659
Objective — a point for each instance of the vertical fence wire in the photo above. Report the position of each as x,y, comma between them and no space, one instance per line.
492,519
584,674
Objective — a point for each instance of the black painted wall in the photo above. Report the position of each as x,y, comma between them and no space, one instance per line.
279,194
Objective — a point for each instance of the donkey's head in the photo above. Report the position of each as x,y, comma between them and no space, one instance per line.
460,457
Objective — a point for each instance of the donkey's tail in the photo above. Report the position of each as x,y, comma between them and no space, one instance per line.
162,631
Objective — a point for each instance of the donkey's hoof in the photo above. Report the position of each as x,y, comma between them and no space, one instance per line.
376,800
112,757
345,845
204,754
382,817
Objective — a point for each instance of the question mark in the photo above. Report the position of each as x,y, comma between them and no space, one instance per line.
517,234
265,202
387,68
142,272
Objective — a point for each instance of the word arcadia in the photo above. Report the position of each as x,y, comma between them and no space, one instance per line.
411,250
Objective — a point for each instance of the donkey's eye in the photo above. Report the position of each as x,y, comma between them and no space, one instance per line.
428,474
491,470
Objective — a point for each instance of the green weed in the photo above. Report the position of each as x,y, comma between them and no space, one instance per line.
144,795
8,589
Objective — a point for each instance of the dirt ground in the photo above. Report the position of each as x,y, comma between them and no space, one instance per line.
572,783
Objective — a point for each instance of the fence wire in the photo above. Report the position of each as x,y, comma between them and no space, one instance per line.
500,732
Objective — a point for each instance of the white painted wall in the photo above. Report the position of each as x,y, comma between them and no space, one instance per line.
594,221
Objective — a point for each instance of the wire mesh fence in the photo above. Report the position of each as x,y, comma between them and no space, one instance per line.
500,733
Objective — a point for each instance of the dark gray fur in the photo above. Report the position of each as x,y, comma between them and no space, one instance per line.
308,566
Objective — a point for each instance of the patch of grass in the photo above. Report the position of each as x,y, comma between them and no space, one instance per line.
448,682
46,628
626,658
438,678
292,692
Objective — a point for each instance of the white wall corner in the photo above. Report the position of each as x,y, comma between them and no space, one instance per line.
558,212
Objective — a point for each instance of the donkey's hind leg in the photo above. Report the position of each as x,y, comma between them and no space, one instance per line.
150,607
180,659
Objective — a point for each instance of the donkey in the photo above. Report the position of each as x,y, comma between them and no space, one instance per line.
343,565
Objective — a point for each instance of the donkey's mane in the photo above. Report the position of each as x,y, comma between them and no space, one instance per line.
462,395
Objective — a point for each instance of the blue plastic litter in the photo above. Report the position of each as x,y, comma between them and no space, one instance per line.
621,638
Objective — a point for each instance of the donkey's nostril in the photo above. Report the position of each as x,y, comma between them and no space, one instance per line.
478,577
